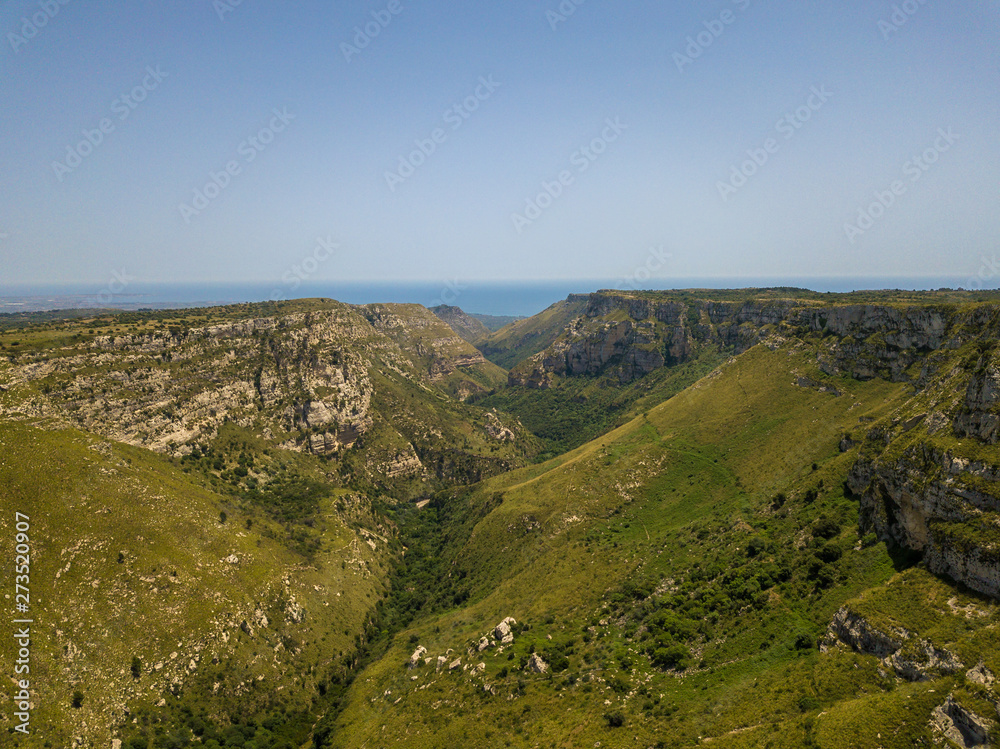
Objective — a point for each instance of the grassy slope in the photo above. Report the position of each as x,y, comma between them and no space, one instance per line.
514,343
652,520
171,599
493,323
467,327
578,409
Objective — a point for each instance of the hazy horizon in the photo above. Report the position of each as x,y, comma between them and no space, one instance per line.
511,298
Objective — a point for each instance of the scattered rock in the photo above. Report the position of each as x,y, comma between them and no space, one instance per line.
808,382
916,663
260,619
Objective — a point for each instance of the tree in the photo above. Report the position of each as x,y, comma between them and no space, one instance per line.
77,699
136,667
674,656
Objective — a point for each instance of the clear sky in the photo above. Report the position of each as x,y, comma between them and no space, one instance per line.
498,140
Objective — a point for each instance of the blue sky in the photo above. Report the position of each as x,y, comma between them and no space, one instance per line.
497,140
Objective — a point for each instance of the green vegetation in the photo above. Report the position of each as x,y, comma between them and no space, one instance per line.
257,570
577,410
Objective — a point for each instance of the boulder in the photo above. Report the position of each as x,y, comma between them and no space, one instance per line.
502,632
536,664
417,655
981,675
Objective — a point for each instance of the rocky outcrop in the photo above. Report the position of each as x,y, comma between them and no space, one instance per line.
496,429
126,387
937,504
919,659
416,656
853,630
910,657
537,665
960,725
405,463
503,632
981,675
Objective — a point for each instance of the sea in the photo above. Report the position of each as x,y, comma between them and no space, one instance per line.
506,299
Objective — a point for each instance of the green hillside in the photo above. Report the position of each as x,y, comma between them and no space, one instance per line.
517,341
738,519
676,574
152,594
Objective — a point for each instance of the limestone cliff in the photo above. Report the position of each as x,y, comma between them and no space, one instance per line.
628,335
319,377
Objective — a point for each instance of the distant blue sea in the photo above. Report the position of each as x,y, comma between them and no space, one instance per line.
510,298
